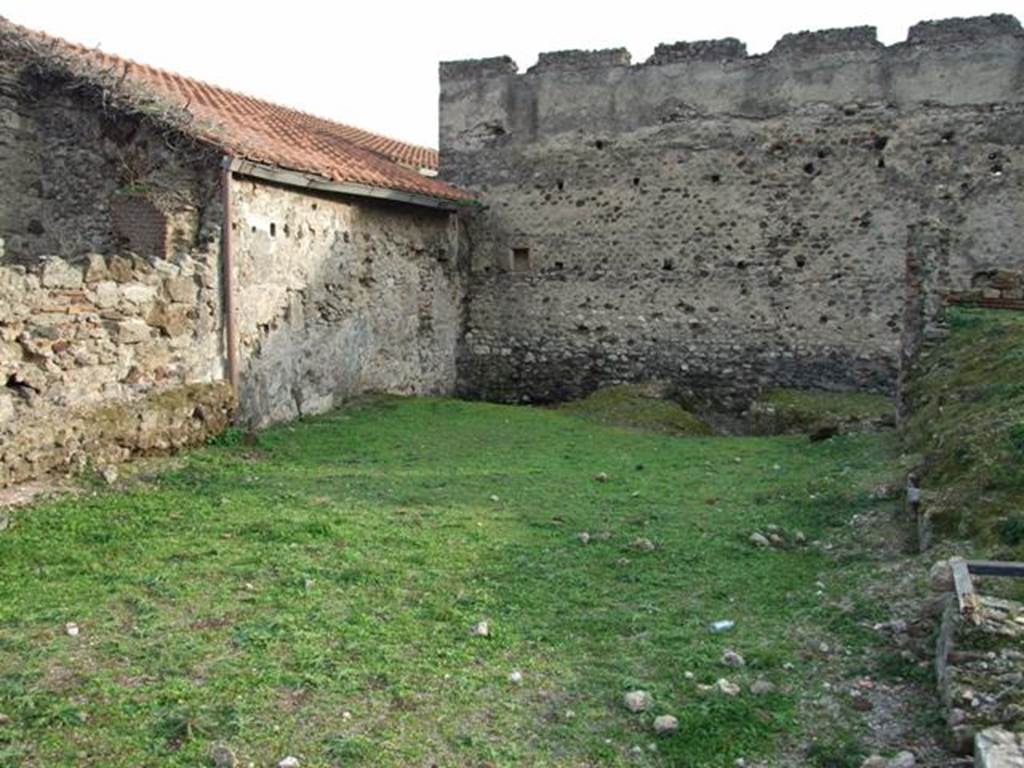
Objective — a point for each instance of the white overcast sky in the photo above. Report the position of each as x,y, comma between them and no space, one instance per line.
374,64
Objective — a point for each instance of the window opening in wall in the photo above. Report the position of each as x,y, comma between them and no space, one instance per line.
273,229
520,259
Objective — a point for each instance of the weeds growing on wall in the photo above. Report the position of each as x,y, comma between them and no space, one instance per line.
967,423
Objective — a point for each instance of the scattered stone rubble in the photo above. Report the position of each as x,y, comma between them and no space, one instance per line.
774,536
980,671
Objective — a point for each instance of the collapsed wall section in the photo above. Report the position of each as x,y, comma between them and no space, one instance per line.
110,335
339,296
725,221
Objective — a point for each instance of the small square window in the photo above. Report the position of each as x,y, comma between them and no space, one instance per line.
520,259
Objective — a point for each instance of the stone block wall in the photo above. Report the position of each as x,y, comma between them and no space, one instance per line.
341,296
110,330
729,222
111,317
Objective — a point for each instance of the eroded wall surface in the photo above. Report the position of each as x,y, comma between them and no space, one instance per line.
110,340
725,221
341,296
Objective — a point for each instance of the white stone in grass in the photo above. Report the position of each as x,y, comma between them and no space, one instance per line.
643,545
665,724
584,537
4,719
759,540
495,498
638,701
515,677
732,659
601,477
480,629
727,687
288,762
346,715
875,761
71,629
762,687
799,537
940,577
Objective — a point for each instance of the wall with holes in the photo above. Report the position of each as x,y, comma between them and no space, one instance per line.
109,288
729,222
338,297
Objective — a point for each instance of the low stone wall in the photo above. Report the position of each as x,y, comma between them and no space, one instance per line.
96,355
72,440
980,669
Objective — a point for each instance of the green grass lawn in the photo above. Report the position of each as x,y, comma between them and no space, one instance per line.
312,594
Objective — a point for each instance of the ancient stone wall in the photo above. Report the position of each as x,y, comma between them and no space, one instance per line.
726,221
111,318
340,296
110,331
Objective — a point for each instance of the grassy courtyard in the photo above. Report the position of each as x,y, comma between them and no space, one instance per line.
311,593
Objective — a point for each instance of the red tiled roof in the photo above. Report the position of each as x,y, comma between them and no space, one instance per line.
262,132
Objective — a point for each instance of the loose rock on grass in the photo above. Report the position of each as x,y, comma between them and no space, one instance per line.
940,577
727,687
759,540
288,762
665,724
643,545
638,701
515,677
480,629
762,687
732,659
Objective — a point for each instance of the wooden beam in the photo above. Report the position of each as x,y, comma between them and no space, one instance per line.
995,568
318,183
970,607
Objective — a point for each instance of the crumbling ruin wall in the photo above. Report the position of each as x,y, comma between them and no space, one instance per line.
339,296
110,332
725,221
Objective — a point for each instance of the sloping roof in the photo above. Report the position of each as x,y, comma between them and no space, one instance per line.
260,131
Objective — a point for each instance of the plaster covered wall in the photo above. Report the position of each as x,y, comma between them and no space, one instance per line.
340,296
728,222
109,288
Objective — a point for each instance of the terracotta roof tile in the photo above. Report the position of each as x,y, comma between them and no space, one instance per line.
267,133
